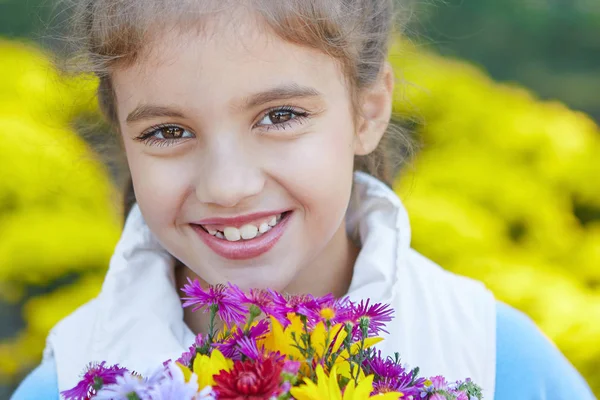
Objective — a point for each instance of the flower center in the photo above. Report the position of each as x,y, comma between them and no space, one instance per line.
246,381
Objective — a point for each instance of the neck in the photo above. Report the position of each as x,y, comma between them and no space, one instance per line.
330,272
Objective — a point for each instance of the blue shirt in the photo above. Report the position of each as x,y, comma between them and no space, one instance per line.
528,366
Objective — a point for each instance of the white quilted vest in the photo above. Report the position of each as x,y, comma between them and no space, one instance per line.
444,323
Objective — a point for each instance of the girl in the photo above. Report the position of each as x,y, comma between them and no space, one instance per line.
255,133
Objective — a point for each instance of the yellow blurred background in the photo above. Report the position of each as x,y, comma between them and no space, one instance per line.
504,188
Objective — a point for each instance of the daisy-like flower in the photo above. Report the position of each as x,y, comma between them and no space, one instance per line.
376,315
315,309
176,386
230,345
335,311
391,376
261,298
230,311
96,376
125,388
248,347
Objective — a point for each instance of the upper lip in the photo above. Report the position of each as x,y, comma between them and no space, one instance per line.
238,220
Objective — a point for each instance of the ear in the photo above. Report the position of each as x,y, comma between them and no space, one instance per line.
376,111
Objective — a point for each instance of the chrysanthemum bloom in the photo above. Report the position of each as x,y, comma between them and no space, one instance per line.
250,379
94,378
327,388
228,310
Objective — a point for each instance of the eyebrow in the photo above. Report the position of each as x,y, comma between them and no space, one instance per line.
282,92
147,111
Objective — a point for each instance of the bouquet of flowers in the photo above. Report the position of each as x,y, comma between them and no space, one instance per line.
273,346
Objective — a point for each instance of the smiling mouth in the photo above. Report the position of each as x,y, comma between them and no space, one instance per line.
245,232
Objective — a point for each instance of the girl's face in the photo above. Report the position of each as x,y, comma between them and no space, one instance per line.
241,149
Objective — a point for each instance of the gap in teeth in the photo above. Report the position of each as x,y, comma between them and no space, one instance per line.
246,232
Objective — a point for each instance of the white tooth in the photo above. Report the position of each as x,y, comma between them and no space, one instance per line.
220,235
232,234
263,227
248,231
212,232
279,218
273,221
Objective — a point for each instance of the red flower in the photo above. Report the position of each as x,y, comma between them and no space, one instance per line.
250,380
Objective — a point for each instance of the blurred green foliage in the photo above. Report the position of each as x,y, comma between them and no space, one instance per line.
550,46
505,190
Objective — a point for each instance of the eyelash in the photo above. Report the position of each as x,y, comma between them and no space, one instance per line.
299,117
148,136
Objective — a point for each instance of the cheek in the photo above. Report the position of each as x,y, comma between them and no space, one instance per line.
317,170
160,187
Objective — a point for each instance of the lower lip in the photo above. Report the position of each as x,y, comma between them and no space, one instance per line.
244,249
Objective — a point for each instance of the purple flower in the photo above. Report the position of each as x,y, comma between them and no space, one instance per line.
187,357
96,376
261,298
460,395
310,306
391,376
439,383
249,348
230,346
383,368
437,396
230,311
291,367
377,315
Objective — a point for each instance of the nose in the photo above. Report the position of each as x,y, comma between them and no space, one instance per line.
230,175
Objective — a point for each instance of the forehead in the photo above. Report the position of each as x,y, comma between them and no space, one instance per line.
221,63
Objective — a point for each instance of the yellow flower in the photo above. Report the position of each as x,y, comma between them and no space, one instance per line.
282,340
327,313
206,367
327,388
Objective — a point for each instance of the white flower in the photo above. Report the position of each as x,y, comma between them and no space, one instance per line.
124,386
174,386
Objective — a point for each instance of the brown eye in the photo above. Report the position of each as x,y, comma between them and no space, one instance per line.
280,116
172,132
165,134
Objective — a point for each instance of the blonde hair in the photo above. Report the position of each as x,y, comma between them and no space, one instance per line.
113,33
